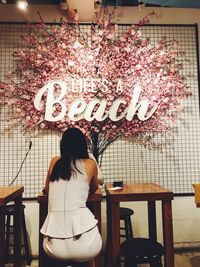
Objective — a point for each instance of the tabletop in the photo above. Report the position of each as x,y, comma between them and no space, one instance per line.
138,192
8,193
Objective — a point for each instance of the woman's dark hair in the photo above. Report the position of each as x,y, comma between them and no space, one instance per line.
73,146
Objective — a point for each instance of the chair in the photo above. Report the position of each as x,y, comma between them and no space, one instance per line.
142,250
125,216
10,211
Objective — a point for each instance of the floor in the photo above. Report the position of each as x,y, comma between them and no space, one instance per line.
189,259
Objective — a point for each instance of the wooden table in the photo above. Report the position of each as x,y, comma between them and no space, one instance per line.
94,204
139,192
7,194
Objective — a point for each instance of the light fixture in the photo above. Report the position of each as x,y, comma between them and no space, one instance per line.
22,4
141,5
63,5
97,5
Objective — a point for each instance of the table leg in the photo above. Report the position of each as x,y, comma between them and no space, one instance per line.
97,214
113,235
108,238
152,220
17,231
2,236
43,259
168,233
95,207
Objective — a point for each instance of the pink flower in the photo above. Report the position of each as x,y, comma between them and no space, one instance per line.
66,52
71,63
77,45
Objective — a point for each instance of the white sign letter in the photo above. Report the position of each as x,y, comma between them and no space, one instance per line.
142,112
99,114
141,107
114,108
119,88
77,108
104,85
51,101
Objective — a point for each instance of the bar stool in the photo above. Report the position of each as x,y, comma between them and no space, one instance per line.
55,263
50,262
142,250
68,264
125,215
10,211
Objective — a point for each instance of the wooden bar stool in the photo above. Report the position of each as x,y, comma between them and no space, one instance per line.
56,263
142,250
125,216
10,211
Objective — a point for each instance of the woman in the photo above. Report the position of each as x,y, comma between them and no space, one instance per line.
70,229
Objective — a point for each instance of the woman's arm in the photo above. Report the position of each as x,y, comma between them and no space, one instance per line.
52,163
92,174
94,179
100,174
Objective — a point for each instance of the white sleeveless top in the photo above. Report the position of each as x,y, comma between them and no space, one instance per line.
68,215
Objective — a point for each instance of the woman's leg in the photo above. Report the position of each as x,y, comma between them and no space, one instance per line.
82,249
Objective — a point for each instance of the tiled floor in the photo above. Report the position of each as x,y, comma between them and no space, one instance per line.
190,259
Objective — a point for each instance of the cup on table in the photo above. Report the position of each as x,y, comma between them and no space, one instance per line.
101,182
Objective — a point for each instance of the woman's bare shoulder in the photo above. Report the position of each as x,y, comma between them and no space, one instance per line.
54,160
90,162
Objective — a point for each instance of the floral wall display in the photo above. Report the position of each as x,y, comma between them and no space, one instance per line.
109,86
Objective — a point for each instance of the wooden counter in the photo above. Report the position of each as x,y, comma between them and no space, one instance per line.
7,194
138,192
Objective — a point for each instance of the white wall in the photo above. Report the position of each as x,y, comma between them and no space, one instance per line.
186,217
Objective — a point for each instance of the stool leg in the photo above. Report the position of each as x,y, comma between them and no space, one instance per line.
26,246
129,263
157,263
128,228
7,238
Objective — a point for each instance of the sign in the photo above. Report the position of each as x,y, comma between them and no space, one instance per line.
96,109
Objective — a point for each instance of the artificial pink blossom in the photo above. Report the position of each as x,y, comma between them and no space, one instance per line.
60,53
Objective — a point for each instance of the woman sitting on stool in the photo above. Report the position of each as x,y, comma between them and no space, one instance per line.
70,229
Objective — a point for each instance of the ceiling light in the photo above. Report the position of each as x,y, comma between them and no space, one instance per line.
22,4
141,5
97,6
63,5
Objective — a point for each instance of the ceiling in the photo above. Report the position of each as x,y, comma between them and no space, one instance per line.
34,2
148,3
156,3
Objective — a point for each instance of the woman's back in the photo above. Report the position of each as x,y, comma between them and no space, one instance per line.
68,215
72,194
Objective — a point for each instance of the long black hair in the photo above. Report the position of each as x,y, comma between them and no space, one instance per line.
73,146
